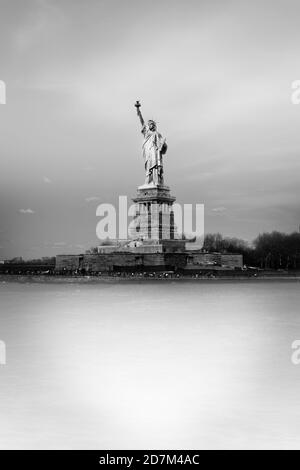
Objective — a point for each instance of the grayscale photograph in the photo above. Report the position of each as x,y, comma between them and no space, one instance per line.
149,228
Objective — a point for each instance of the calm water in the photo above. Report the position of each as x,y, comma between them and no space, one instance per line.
150,365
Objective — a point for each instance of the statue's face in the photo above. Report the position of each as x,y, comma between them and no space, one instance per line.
152,125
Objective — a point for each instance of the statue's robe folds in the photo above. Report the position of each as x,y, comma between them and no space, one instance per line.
153,147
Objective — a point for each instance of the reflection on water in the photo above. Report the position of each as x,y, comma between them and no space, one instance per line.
150,365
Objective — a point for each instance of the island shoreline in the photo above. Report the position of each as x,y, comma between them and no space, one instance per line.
46,279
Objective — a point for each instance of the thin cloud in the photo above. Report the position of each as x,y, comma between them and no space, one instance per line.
92,198
47,180
26,211
59,243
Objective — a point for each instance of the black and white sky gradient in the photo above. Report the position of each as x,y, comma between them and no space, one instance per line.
217,77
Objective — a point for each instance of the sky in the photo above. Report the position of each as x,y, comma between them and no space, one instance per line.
215,74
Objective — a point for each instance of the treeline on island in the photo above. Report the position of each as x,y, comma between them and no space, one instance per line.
17,265
44,261
273,250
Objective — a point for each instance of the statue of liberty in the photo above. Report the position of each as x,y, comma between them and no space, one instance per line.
154,147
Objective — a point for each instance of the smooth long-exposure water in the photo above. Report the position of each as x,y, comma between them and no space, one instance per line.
150,365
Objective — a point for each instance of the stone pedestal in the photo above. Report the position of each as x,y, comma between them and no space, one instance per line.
154,216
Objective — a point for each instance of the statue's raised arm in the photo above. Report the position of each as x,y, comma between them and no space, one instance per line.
138,105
